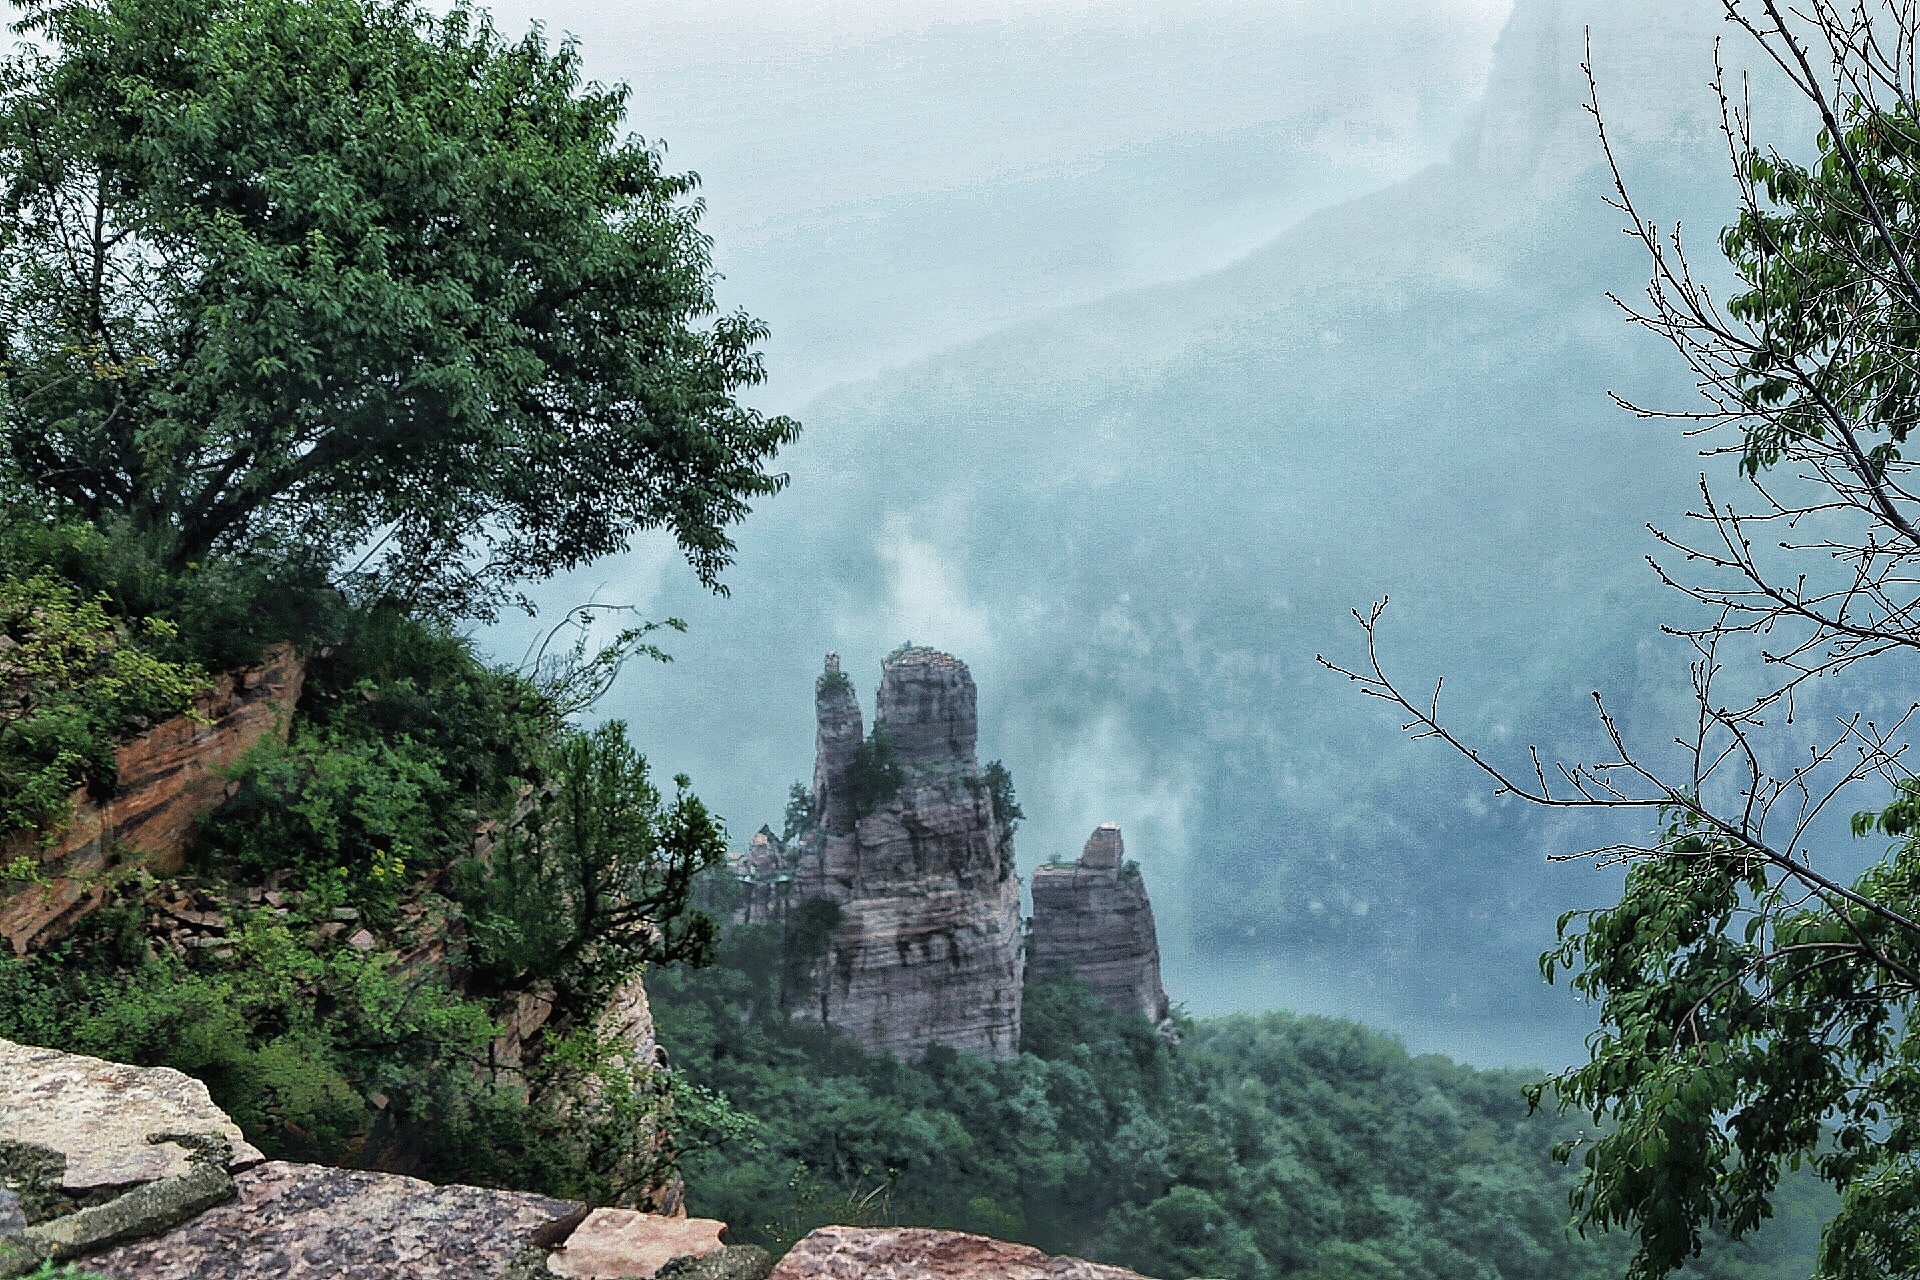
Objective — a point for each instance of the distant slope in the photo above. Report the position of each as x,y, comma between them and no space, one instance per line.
1139,521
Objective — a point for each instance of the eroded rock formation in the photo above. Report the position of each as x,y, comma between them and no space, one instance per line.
1092,918
928,947
169,777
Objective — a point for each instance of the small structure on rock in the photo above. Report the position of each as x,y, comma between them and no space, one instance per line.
1092,918
764,871
907,843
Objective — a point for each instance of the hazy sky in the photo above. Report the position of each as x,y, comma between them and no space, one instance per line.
886,179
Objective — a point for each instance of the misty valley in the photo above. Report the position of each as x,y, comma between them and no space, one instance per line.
933,639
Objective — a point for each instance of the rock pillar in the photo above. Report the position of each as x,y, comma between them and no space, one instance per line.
928,948
1092,918
837,709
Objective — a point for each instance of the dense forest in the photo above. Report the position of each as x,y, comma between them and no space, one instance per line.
1262,1145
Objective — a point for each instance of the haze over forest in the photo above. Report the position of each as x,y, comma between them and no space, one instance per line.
1135,346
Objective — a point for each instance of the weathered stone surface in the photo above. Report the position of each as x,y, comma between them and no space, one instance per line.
928,949
764,872
836,709
616,1243
168,779
13,1218
911,1253
100,1115
306,1222
1092,918
735,1262
146,1210
926,709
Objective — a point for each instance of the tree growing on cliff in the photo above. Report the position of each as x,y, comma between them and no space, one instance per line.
345,274
1757,1008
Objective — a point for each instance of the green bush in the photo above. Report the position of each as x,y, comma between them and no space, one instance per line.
875,776
293,1037
219,614
349,815
72,681
593,882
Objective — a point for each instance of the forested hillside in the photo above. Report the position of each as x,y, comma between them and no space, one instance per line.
1263,1145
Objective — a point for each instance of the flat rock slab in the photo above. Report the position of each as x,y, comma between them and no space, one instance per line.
912,1253
99,1115
616,1243
309,1222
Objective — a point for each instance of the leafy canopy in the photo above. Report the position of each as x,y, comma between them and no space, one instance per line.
344,274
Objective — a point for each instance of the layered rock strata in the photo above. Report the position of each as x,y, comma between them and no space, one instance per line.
1092,918
169,777
928,947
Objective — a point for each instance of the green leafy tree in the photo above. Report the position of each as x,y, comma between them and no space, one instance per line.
1757,1007
593,882
345,274
875,776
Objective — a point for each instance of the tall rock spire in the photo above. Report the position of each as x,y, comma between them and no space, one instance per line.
1092,918
928,947
836,746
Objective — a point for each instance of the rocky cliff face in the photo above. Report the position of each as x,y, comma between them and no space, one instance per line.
168,779
1092,918
928,948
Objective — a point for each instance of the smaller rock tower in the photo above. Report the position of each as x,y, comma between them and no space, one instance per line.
836,746
1092,918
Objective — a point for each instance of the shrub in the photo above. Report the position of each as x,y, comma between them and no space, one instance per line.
350,815
875,776
594,882
72,680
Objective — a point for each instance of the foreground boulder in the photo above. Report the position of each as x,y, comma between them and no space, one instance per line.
303,1221
106,1126
911,1253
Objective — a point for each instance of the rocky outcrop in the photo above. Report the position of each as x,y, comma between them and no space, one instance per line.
928,947
168,778
910,1253
836,744
134,1172
764,872
108,1126
1092,918
309,1222
613,1243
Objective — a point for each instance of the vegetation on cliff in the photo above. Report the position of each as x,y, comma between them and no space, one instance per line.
326,324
